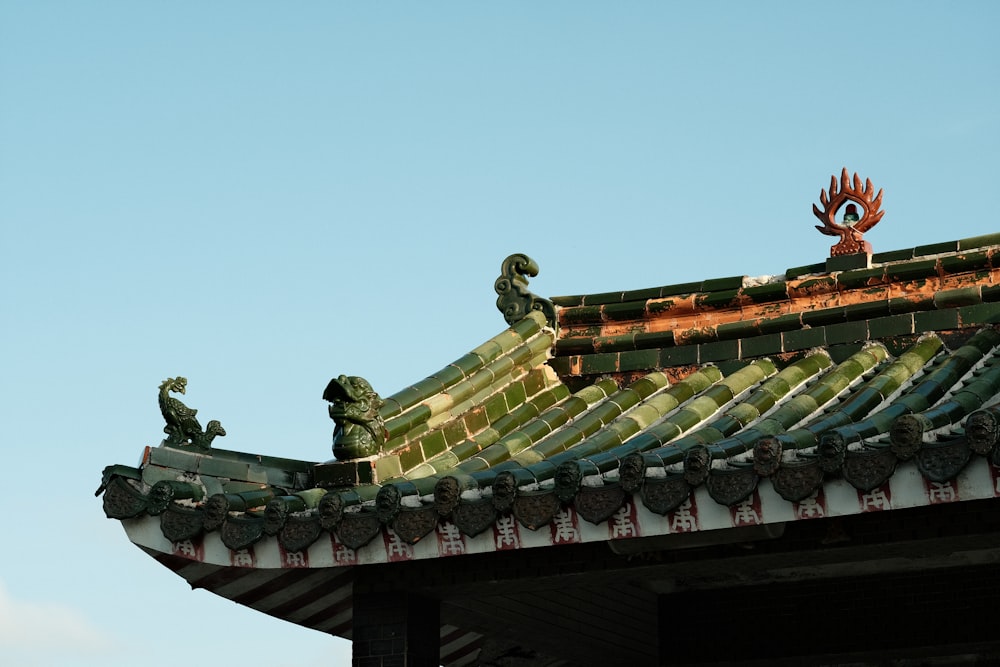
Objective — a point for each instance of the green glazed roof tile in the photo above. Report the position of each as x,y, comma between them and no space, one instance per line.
936,248
892,256
680,288
971,261
979,241
603,298
618,391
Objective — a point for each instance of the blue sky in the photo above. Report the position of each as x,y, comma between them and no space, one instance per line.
261,196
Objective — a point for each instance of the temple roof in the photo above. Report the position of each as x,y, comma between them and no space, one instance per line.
863,383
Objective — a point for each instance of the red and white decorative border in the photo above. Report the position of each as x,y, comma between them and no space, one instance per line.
905,488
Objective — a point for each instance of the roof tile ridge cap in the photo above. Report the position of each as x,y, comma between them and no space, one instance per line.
468,364
643,294
919,383
787,419
886,374
818,384
877,354
979,242
593,396
738,376
660,401
590,414
795,376
560,406
547,389
953,407
963,245
795,386
765,279
975,374
925,257
505,371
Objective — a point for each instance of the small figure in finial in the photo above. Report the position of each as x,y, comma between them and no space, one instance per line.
854,225
182,424
354,405
850,215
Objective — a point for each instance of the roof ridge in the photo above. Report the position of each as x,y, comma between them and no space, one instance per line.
467,365
935,250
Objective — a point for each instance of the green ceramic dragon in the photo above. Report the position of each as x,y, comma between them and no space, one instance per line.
182,424
354,405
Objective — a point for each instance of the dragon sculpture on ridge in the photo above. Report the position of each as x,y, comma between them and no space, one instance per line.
354,405
182,424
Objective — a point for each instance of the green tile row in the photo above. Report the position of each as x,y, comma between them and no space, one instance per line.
484,462
939,379
982,387
791,411
643,403
708,404
867,397
454,401
466,366
503,411
960,246
536,447
604,298
598,417
471,450
672,444
832,384
794,338
885,317
961,260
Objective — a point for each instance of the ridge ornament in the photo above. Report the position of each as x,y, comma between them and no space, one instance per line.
515,301
354,405
182,426
853,225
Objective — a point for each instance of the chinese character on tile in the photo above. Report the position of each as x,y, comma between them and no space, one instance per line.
810,507
941,492
622,524
344,556
745,514
564,528
450,539
876,499
242,558
295,559
505,532
185,548
683,519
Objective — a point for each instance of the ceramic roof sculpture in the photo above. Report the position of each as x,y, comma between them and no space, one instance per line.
864,383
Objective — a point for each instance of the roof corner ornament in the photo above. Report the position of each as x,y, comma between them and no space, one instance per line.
515,300
853,226
354,407
182,426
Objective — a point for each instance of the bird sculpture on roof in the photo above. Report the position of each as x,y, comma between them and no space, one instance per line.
182,423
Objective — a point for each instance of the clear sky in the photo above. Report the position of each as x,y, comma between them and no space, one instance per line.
261,196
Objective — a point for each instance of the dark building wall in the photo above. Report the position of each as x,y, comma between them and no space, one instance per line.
397,629
937,612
